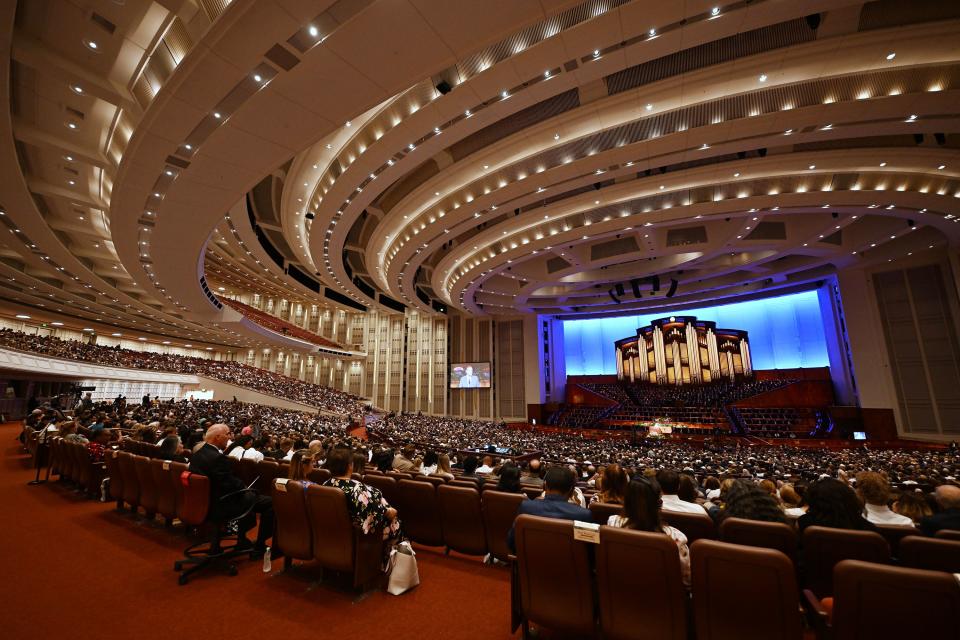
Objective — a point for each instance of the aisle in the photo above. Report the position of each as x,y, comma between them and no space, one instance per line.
78,569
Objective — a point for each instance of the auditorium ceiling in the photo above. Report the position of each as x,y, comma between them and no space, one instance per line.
495,157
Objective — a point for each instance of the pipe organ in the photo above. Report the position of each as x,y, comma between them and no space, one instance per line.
684,350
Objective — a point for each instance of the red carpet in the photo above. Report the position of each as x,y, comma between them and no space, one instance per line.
77,569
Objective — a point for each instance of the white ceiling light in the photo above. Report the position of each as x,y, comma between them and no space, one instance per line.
22,316
313,31
891,55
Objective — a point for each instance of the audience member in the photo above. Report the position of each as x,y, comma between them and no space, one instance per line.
832,503
948,499
874,490
559,483
669,482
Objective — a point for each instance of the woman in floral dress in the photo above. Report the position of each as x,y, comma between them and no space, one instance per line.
368,509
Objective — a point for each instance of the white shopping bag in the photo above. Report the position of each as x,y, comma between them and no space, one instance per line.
403,569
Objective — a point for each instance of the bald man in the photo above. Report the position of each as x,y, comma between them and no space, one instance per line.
948,497
227,496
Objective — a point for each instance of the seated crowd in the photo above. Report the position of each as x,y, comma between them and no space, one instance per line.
231,372
280,326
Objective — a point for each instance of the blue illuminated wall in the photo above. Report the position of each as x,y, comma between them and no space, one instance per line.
785,333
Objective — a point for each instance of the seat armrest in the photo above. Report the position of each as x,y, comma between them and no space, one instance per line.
817,614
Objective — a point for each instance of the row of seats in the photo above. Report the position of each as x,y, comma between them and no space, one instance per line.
71,461
280,326
582,597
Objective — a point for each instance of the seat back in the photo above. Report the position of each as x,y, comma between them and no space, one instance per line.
693,525
532,492
399,475
893,534
176,470
754,533
337,544
661,611
318,476
196,498
434,480
419,512
148,490
725,576
824,547
293,533
462,520
469,484
555,581
386,485
949,534
246,470
933,554
112,459
602,511
499,511
160,476
131,484
267,471
876,601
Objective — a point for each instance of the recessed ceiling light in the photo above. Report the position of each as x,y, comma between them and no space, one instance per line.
77,89
891,55
216,114
811,167
763,77
188,147
116,335
91,44
736,175
715,11
57,324
546,74
883,164
652,32
313,31
21,316
257,77
649,106
596,53
72,125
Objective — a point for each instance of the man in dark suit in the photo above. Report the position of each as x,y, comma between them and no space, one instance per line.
209,461
558,483
948,497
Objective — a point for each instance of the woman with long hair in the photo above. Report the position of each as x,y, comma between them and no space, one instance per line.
301,464
832,503
509,480
613,484
641,511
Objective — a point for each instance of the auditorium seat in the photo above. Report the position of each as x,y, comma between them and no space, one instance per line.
661,610
725,577
824,547
554,578
318,476
532,492
419,512
399,475
436,481
111,458
462,520
337,544
246,470
176,472
469,484
948,534
267,472
166,501
877,601
753,533
293,532
694,526
386,485
131,484
148,490
930,553
602,511
894,534
499,511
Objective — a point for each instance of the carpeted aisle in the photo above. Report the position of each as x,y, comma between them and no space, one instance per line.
78,569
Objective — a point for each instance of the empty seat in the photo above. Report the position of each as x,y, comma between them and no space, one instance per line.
602,511
693,525
462,520
754,533
166,500
148,490
876,601
419,512
293,534
930,553
337,544
824,547
499,511
726,576
661,610
554,579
